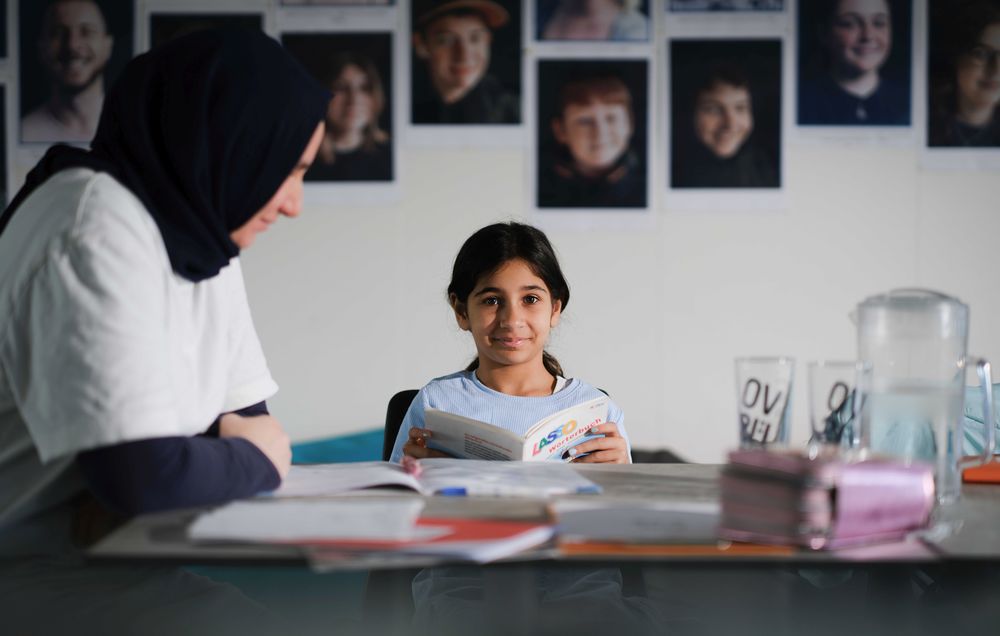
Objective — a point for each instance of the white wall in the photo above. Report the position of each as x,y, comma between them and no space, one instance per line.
349,300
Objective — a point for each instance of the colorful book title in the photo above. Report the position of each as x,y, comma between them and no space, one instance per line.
563,435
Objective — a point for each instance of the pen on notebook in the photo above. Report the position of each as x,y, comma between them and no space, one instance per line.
411,466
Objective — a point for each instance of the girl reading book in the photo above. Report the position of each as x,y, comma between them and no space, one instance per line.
507,290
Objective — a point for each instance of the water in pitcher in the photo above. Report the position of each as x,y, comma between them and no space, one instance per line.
920,421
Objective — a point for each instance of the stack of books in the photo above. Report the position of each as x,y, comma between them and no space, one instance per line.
826,501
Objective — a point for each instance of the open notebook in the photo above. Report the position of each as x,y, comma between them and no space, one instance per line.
444,476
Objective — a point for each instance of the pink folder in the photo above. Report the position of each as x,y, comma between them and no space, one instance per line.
789,498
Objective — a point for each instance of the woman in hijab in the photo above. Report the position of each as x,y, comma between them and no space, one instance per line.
131,377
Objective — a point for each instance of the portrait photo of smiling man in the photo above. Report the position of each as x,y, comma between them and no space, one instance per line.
725,114
70,52
466,62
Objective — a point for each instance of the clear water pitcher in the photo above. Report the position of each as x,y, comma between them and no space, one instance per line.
916,341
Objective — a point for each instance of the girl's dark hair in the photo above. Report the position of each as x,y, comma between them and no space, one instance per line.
490,248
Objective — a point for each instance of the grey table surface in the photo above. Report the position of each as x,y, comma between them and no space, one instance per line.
966,530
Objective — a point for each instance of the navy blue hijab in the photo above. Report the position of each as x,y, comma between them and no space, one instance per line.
203,130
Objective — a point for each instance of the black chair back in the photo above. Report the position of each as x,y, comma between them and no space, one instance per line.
398,405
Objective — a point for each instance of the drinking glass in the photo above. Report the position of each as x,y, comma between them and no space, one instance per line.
763,393
837,393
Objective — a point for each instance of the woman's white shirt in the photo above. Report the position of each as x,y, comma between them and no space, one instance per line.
101,342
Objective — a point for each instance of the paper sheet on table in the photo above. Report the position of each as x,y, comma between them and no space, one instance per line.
502,479
301,520
641,521
318,480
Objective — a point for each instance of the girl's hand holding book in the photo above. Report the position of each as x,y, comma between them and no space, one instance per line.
416,445
610,449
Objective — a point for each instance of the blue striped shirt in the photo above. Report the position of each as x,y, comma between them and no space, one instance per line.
463,394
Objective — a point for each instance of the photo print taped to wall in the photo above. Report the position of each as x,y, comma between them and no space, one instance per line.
620,21
485,88
854,63
356,67
591,140
62,102
963,75
725,120
962,129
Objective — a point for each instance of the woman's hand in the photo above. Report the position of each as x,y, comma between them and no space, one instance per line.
264,432
610,449
416,445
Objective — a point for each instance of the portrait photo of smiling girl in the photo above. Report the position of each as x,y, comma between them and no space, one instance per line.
725,113
854,63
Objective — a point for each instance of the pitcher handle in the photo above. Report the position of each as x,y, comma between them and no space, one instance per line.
983,370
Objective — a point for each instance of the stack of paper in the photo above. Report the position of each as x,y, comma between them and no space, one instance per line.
475,540
642,528
386,529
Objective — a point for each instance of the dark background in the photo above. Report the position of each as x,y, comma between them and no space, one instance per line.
3,28
166,26
680,6
3,146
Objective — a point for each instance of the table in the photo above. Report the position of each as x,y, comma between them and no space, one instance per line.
970,528
953,588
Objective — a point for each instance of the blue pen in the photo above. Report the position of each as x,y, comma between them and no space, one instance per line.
452,492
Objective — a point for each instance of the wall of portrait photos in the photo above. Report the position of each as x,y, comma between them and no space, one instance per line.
719,177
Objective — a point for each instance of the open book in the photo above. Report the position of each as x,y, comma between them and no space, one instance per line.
549,438
442,476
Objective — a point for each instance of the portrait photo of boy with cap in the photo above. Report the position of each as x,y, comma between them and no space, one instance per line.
466,62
